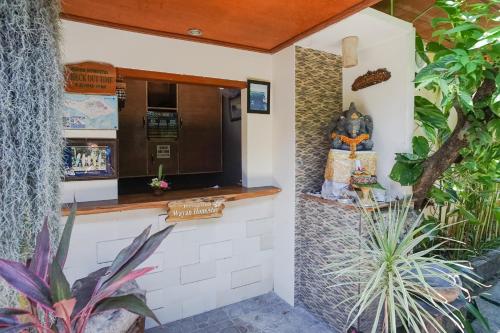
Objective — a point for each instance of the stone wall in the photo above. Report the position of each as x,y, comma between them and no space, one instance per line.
318,98
319,224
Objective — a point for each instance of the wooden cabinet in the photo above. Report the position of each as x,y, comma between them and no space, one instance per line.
133,153
196,149
200,137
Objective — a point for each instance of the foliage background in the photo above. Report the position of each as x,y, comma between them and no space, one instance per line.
31,85
458,168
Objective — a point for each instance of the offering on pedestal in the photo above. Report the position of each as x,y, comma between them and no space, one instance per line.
365,181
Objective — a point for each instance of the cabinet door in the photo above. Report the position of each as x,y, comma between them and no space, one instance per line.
132,131
200,138
164,153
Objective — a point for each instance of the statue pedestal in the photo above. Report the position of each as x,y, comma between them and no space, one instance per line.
339,168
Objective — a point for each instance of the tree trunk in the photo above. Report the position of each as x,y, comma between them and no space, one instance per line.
449,152
441,160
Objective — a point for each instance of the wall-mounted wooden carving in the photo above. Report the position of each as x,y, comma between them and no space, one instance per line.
194,209
371,78
90,78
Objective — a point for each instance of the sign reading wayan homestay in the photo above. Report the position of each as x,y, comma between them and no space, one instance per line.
90,78
193,209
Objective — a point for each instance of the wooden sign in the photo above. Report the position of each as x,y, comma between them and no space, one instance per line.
90,78
371,78
193,209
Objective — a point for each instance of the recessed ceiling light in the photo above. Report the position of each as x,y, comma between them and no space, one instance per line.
195,32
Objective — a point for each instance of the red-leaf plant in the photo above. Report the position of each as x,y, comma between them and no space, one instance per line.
47,290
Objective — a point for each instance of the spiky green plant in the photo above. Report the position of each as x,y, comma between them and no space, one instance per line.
393,277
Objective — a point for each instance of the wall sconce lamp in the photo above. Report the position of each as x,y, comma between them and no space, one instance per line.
350,51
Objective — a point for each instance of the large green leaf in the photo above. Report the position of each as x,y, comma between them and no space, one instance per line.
431,227
62,249
494,127
420,146
406,174
427,113
59,286
435,47
440,197
408,158
130,303
467,325
420,49
461,28
474,311
434,70
490,36
466,100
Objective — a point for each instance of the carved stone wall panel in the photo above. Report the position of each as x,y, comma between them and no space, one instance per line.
318,93
318,98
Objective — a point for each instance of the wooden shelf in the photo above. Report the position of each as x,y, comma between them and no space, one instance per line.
148,200
335,203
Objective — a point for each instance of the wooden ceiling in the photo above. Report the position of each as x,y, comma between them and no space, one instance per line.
258,25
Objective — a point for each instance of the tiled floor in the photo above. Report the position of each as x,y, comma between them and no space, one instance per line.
263,314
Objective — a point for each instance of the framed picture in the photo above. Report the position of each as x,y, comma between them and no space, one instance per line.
86,159
235,108
258,97
98,112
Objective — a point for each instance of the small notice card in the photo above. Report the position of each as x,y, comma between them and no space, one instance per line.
193,209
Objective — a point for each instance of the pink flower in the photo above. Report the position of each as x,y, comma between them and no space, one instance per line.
163,185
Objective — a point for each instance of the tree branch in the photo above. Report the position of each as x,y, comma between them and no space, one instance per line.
441,160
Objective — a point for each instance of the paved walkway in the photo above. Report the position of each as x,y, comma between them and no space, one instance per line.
263,314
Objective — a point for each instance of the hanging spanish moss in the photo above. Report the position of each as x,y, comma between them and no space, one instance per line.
30,125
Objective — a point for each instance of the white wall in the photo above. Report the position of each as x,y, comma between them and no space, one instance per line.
283,142
200,266
389,103
134,50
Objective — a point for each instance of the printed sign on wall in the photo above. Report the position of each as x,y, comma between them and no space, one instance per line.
193,209
82,111
91,78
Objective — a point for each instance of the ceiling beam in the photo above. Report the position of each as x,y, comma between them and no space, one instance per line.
179,78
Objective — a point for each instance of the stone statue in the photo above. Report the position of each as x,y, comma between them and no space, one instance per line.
352,131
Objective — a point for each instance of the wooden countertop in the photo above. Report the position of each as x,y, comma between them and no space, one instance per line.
148,200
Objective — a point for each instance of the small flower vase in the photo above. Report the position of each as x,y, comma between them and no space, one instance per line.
158,191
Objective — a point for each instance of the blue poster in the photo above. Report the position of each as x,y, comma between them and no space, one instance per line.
82,111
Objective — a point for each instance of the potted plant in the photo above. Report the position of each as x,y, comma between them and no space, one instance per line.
46,293
404,288
159,184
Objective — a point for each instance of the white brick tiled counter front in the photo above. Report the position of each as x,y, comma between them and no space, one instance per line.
201,265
